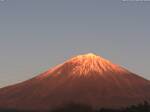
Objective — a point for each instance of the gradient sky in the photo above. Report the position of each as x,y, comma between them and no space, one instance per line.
38,34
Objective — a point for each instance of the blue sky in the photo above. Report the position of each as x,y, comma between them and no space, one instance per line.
38,34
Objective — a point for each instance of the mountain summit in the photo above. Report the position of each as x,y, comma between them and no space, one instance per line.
84,79
86,65
90,63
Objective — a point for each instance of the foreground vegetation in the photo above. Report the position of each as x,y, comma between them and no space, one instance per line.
145,107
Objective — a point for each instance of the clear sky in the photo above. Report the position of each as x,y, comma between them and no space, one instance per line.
38,34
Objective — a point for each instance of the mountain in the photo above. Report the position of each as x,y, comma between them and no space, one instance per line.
85,79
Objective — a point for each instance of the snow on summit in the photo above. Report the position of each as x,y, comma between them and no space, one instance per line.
85,65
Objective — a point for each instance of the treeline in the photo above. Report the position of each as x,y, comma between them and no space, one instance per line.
145,107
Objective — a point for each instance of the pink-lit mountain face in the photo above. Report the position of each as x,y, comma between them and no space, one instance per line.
85,79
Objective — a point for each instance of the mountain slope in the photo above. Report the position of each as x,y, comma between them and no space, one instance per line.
85,79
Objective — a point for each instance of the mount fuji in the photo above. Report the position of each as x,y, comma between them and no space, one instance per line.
84,79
